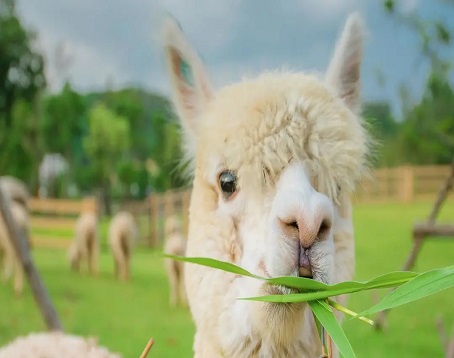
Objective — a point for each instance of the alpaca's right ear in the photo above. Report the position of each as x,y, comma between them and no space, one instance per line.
191,87
344,70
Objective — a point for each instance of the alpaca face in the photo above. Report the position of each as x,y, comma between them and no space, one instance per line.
274,160
284,229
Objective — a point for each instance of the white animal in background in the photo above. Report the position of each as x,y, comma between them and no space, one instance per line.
85,245
123,233
55,345
275,161
175,244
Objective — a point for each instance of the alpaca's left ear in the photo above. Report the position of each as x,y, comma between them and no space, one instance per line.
344,70
191,87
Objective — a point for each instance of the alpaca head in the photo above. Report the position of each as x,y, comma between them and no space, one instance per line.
274,160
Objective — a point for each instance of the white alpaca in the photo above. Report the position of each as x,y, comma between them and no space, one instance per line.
55,345
175,244
85,245
275,161
123,233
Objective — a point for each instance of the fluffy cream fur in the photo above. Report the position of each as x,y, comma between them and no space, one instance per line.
290,138
85,245
55,345
123,233
175,244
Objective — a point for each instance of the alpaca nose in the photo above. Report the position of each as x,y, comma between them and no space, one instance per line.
308,226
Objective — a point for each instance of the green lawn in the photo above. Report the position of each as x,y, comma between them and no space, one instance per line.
125,315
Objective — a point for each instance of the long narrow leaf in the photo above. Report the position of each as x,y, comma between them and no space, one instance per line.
221,265
391,279
326,317
419,287
318,295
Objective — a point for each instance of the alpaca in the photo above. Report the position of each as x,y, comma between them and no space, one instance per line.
85,245
175,245
11,263
123,233
15,189
55,345
274,161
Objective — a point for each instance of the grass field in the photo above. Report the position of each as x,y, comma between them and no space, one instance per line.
125,315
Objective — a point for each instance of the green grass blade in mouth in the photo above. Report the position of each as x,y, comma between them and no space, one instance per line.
304,284
326,317
221,265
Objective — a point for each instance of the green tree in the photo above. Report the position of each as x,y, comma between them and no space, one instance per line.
106,143
22,148
21,67
63,123
426,132
427,135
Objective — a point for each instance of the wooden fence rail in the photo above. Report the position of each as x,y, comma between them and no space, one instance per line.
52,221
402,184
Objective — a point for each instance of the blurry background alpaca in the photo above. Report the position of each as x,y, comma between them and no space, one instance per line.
123,233
85,245
175,244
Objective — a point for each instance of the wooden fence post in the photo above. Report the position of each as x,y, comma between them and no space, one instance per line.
407,184
20,246
154,219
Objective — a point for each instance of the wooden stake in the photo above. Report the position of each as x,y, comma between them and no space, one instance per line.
147,348
21,248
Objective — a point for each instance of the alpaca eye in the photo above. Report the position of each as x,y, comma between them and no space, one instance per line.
227,182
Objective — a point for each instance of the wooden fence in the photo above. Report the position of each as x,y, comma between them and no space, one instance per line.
52,221
401,184
164,205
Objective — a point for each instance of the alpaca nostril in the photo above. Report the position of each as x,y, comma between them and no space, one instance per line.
306,232
289,228
324,229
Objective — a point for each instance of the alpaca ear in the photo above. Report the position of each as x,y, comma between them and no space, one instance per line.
191,87
344,70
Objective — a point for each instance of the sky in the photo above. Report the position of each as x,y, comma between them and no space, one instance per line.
116,42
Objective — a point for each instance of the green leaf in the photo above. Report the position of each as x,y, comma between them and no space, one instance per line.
311,289
301,283
326,317
419,287
318,325
392,279
225,266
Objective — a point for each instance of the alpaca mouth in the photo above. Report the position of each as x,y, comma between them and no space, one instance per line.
305,268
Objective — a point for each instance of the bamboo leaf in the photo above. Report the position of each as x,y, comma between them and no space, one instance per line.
419,287
392,279
225,266
326,317
304,284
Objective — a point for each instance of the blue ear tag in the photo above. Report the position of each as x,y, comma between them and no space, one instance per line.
186,72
